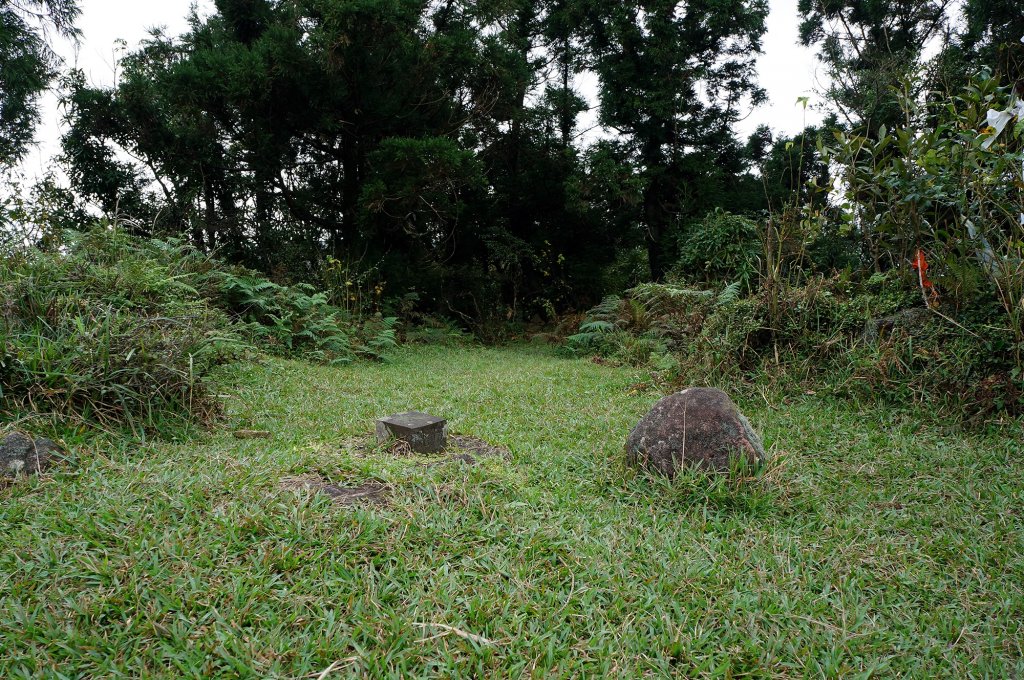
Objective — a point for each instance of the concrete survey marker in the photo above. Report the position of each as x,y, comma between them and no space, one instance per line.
423,432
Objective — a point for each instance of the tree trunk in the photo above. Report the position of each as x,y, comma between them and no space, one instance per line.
566,119
210,211
658,196
656,223
350,195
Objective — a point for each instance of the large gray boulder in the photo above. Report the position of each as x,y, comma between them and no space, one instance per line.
699,427
22,455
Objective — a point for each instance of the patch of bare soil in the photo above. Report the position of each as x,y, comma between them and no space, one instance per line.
476,447
370,492
461,448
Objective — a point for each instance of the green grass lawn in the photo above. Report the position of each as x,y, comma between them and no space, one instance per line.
874,544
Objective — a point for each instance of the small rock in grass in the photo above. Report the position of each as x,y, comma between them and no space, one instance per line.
20,454
422,432
699,427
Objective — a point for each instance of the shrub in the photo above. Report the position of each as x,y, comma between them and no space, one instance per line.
651,319
117,329
629,268
103,331
431,330
965,366
944,188
297,321
721,247
871,340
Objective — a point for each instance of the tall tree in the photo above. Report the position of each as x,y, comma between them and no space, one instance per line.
994,36
675,77
541,241
263,119
871,48
27,65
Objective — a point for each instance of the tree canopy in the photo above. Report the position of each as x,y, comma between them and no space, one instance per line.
27,66
489,159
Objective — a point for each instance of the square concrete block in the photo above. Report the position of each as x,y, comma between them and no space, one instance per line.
423,432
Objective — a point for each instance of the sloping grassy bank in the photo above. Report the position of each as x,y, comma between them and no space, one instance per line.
875,545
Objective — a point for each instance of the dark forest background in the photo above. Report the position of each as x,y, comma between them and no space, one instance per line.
430,160
435,146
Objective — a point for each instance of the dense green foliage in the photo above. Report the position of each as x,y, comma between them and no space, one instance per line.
721,247
437,143
671,78
380,158
908,286
115,329
868,46
946,185
865,340
995,37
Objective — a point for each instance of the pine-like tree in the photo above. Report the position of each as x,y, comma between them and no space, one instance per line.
27,65
675,77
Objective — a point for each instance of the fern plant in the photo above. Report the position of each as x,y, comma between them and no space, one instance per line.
651,320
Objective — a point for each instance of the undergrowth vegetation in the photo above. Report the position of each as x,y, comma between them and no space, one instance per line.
869,339
114,329
904,282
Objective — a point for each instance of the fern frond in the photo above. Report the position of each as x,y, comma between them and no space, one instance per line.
597,327
729,294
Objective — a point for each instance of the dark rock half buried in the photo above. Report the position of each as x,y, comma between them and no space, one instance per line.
699,427
22,455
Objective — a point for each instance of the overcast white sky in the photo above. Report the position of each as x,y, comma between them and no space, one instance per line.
787,70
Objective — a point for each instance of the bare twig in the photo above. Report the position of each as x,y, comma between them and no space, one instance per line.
472,637
337,665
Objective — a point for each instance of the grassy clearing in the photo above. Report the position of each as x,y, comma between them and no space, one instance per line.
877,545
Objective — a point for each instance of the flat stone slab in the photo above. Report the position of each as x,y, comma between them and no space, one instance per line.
423,432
